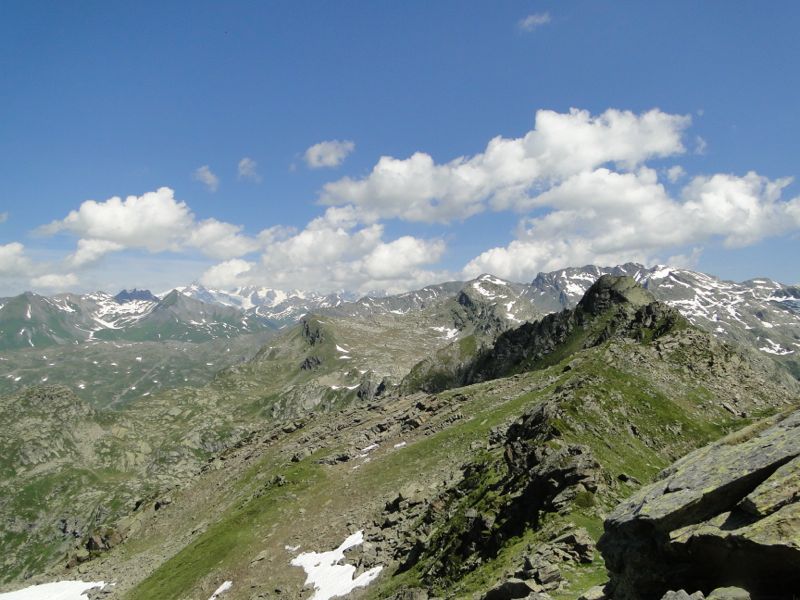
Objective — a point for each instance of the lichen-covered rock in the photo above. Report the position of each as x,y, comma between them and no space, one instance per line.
781,488
682,595
729,593
725,515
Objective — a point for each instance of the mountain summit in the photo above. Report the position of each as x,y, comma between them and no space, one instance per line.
134,294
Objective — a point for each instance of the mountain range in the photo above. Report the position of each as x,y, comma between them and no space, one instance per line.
469,439
760,312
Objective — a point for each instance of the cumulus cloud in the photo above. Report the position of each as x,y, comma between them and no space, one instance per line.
227,274
534,21
328,154
154,221
218,239
90,251
248,169
207,177
13,260
55,281
333,252
505,174
608,217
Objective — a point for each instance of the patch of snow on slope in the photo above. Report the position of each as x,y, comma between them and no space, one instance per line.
660,273
492,279
575,289
221,590
449,334
773,348
482,291
58,590
329,578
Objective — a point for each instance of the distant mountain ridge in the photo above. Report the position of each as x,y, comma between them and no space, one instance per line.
759,312
33,321
277,306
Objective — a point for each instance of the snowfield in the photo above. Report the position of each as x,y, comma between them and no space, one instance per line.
59,590
329,578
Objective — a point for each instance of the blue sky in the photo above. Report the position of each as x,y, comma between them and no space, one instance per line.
105,99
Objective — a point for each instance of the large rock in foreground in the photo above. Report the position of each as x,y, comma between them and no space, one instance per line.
725,515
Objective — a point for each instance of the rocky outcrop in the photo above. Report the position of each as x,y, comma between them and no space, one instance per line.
312,331
486,507
725,515
614,307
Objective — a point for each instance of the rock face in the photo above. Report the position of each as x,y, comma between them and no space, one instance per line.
725,515
614,307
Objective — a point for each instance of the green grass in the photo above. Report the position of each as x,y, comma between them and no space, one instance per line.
231,538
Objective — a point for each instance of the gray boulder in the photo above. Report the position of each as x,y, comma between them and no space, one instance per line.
511,589
729,593
725,515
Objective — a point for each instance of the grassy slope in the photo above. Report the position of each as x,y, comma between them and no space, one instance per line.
672,415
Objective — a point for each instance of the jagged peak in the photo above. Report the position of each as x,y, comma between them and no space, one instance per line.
135,294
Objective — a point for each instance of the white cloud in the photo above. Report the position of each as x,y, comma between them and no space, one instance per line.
328,154
685,261
509,170
608,217
206,176
218,239
227,274
675,173
3,217
739,210
397,258
90,251
534,21
155,222
55,281
331,253
13,260
248,169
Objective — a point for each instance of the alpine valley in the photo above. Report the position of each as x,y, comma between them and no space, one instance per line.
600,432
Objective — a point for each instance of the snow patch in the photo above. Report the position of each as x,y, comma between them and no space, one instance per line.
492,279
449,334
58,590
329,578
660,273
774,348
221,590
